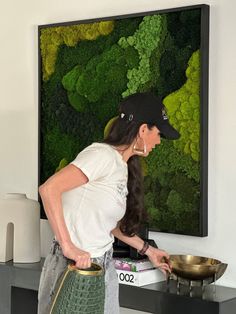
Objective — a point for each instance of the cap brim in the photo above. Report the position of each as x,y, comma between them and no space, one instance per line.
168,132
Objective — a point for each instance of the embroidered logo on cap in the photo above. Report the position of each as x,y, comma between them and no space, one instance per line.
131,117
164,114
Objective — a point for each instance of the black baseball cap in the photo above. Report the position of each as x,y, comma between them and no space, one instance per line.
148,108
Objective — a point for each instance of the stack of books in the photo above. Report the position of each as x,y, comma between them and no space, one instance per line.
136,272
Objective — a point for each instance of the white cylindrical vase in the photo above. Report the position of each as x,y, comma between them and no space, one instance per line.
19,229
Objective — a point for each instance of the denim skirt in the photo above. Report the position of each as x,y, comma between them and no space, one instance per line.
54,266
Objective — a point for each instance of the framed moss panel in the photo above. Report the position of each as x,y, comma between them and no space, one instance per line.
87,67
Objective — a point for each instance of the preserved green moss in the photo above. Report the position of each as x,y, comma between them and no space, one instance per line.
171,69
183,107
62,164
70,79
108,71
184,28
182,39
57,146
78,102
169,211
108,126
80,111
180,209
57,100
51,38
146,39
173,181
171,160
153,212
188,188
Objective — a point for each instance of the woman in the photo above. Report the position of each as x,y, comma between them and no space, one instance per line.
99,196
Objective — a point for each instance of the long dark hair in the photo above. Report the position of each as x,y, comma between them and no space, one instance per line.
123,132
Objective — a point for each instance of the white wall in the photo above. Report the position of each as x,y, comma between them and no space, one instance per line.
18,110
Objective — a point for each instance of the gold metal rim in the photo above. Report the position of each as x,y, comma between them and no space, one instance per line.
210,261
94,270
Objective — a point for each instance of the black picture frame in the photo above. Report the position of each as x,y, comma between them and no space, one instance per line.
204,74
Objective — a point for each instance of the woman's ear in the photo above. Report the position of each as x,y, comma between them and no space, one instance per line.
142,129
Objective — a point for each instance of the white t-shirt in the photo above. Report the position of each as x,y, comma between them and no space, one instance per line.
92,210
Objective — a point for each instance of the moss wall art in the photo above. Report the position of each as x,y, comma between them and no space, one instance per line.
86,68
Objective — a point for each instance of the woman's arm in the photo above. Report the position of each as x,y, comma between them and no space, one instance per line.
51,191
158,258
135,241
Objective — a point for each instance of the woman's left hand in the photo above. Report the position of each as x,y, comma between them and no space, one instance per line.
159,259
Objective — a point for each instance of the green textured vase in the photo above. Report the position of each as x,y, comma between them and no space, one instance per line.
80,291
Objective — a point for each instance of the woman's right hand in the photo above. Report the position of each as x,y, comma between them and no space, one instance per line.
82,258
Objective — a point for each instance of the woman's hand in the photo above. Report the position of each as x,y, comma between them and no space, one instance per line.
82,258
159,259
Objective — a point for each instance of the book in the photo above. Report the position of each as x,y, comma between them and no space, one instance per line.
140,278
125,263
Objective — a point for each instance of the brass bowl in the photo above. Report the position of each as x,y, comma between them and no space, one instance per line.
196,267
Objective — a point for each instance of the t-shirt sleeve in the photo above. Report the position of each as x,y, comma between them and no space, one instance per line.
95,162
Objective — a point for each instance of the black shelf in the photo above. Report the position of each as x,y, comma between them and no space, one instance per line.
165,299
19,283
